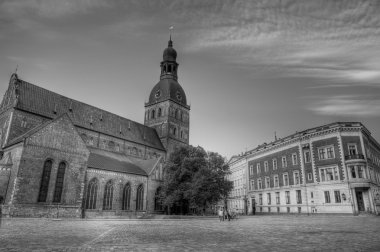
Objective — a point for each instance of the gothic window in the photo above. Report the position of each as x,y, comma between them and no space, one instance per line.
84,137
159,114
126,197
153,114
174,131
92,192
59,182
45,181
108,196
140,198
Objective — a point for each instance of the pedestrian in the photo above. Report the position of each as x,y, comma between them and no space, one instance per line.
220,214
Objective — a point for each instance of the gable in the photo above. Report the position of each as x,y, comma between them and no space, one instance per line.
58,134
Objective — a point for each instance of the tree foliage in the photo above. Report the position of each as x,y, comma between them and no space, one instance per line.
195,178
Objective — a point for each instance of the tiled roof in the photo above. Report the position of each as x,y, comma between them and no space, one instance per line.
43,102
147,165
111,161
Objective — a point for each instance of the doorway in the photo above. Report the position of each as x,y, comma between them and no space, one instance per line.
360,201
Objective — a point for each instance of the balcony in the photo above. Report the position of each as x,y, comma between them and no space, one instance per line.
354,157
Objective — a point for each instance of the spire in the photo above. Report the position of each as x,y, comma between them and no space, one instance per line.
170,43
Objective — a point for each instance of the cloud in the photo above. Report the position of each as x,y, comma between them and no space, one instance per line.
347,105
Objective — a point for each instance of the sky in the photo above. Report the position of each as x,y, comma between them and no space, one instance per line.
249,68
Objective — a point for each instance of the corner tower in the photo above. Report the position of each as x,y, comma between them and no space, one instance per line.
167,110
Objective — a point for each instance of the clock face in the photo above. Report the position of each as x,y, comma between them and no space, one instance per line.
158,94
179,96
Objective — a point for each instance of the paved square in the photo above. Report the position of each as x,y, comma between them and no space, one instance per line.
256,233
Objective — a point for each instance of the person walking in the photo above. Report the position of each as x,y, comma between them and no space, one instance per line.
221,214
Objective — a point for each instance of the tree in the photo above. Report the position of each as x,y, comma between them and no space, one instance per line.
194,178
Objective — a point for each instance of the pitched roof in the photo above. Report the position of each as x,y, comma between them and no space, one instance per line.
43,102
111,161
147,165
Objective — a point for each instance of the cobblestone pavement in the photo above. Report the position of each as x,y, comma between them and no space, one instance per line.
256,233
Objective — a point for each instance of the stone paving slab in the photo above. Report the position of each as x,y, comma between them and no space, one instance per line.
257,233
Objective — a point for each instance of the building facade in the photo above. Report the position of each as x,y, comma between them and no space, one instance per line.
62,157
237,199
333,168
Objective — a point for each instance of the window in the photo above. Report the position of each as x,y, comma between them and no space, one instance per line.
285,179
251,169
309,176
140,198
269,198
266,169
326,152
92,192
274,164
159,113
275,180
153,114
352,149
360,171
328,174
258,168
260,199
267,182
259,184
327,197
252,185
287,197
296,176
311,195
174,131
283,160
306,154
294,159
337,196
353,171
59,182
126,204
277,198
108,196
298,196
45,181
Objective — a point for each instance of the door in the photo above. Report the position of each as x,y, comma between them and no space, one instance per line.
359,198
253,206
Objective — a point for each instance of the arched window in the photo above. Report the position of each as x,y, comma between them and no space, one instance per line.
140,198
157,200
176,115
181,134
126,197
59,182
153,114
159,114
108,196
174,131
45,181
92,192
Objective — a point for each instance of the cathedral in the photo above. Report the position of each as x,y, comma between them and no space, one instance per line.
62,157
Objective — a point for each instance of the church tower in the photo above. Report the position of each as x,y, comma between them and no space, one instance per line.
167,110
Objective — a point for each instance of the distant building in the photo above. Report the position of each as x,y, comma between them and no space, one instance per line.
237,199
333,168
63,157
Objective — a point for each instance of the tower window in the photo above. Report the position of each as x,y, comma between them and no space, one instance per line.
159,114
153,114
174,131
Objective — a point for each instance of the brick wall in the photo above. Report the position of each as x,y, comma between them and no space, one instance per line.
59,142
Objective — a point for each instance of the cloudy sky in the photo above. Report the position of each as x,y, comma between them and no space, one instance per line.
249,68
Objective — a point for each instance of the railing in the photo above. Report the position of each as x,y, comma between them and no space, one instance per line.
356,156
